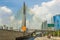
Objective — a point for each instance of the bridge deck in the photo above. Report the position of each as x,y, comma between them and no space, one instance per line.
9,34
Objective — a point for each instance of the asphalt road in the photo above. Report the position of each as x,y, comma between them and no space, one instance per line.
45,38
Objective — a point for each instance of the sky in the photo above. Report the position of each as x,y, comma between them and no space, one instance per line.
38,11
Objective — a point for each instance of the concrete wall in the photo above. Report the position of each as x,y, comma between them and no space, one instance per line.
9,34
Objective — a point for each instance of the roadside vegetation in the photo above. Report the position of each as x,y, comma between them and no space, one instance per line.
53,33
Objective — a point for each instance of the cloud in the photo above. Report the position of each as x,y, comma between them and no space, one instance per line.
12,18
49,4
5,15
20,23
45,11
0,20
35,23
6,9
30,24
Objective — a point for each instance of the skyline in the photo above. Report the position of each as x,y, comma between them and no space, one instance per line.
39,11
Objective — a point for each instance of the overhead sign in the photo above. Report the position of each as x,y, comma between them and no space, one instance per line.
50,25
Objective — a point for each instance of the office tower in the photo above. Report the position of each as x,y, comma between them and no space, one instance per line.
44,25
56,19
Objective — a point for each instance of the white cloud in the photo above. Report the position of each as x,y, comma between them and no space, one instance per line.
46,11
5,15
12,18
49,4
6,9
20,22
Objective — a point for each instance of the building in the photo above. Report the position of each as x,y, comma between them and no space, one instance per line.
44,25
1,27
10,28
5,27
56,19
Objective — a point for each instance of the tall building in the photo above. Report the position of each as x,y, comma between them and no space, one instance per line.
44,25
56,19
52,20
5,27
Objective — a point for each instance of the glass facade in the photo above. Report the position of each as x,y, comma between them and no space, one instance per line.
57,22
